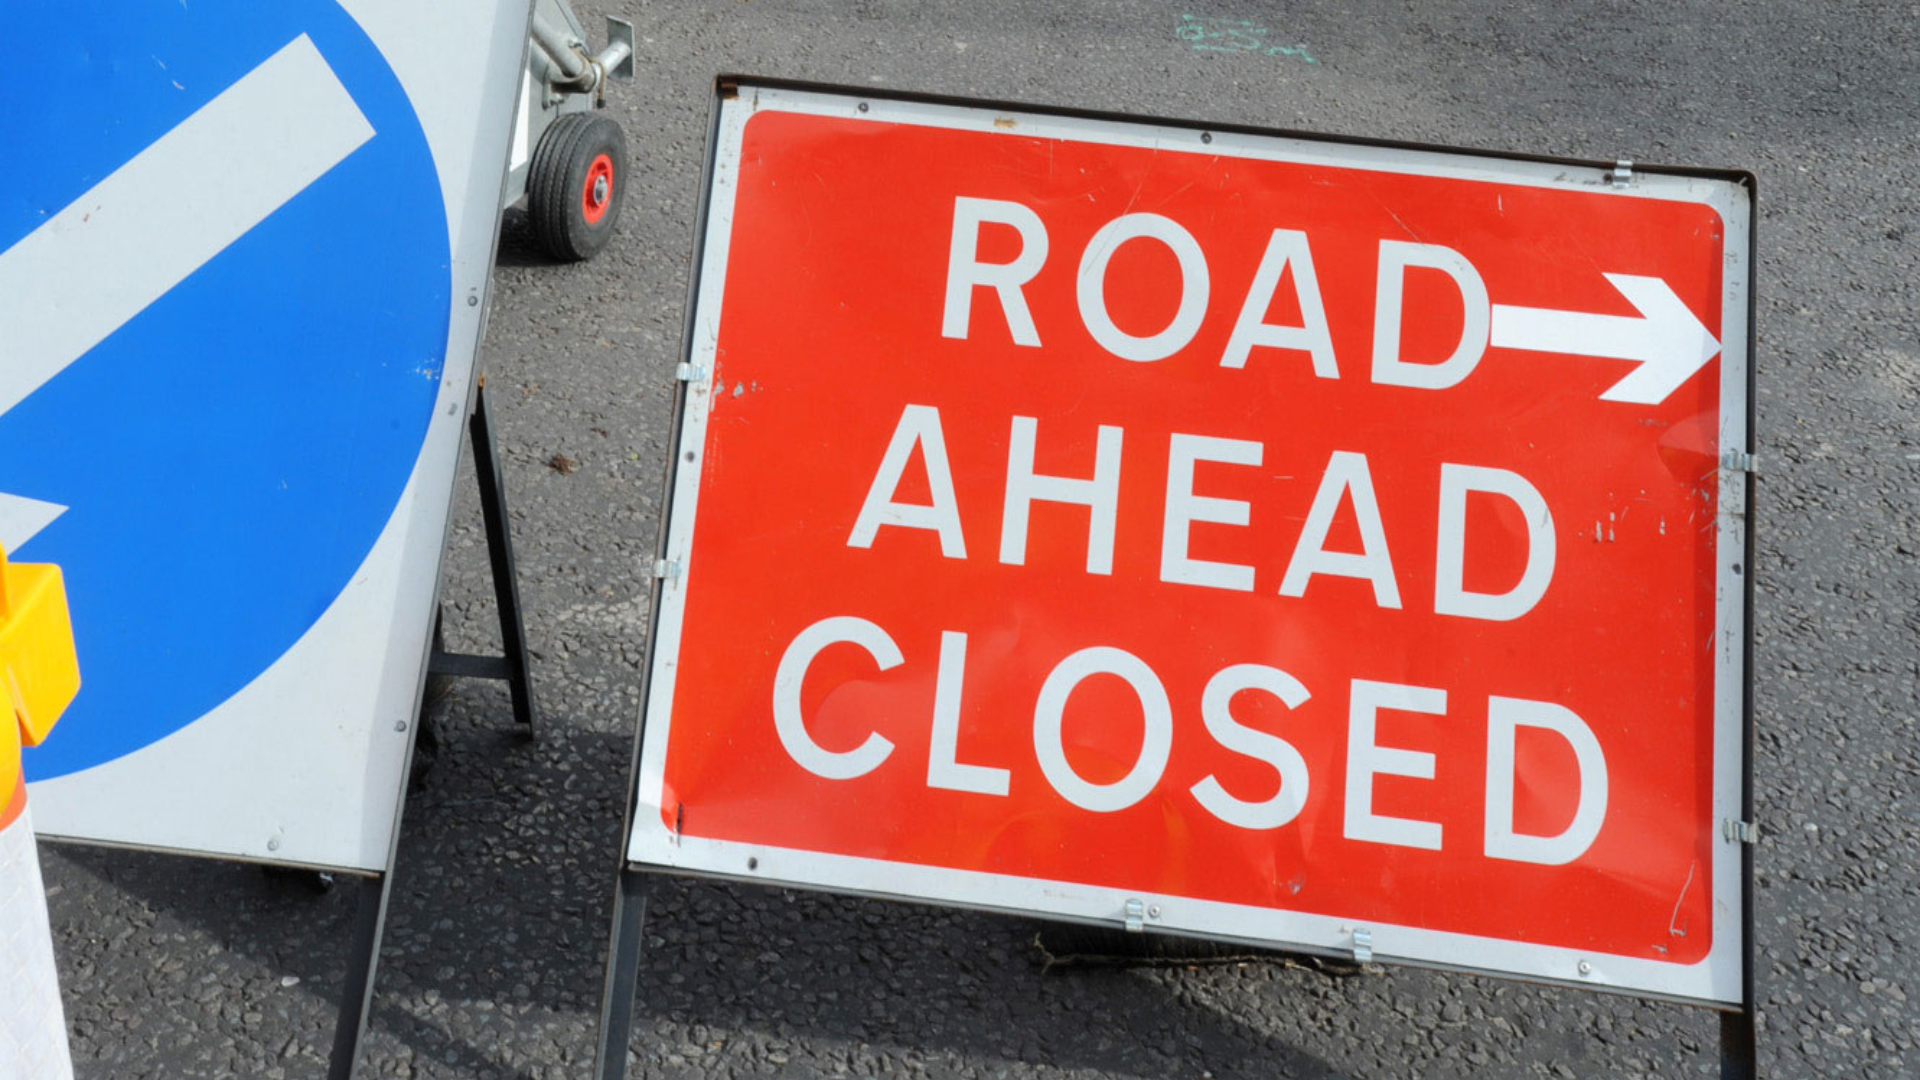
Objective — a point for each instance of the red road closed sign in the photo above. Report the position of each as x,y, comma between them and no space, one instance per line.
1294,541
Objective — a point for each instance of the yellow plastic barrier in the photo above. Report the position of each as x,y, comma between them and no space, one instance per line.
39,673
39,676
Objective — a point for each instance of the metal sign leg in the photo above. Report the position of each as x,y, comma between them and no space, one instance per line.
370,917
506,580
1739,1057
623,972
513,667
356,998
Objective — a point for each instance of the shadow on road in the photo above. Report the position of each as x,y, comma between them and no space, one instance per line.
498,923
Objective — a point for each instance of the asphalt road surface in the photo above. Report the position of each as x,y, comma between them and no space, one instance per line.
179,968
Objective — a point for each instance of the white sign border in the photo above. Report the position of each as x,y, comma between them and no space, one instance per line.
1717,979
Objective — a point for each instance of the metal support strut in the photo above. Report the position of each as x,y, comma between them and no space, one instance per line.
370,911
576,69
513,667
356,997
623,974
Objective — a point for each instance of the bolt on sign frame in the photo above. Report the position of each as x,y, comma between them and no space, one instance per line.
1320,543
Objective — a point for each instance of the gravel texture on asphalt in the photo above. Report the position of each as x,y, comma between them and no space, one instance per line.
492,968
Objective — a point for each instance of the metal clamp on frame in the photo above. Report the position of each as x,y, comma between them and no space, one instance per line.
575,68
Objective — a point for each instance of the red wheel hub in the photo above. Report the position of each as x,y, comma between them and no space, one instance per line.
596,194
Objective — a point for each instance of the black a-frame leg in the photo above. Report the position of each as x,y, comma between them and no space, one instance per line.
512,667
623,974
371,905
356,998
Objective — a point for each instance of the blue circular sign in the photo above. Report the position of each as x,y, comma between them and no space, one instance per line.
229,455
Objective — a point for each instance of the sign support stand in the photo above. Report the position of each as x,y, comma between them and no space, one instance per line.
370,912
1739,1041
513,666
1738,1057
356,997
621,991
623,974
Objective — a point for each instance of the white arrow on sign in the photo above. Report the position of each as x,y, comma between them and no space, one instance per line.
1669,342
21,518
155,220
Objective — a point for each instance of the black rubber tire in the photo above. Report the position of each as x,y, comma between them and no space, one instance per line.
558,176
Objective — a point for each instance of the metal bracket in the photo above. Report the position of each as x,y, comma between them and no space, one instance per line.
1745,832
664,568
689,373
617,58
1740,461
1136,914
1622,173
1362,946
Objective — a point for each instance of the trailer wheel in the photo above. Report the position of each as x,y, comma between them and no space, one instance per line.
575,185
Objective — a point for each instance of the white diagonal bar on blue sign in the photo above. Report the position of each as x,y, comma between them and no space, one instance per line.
161,216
